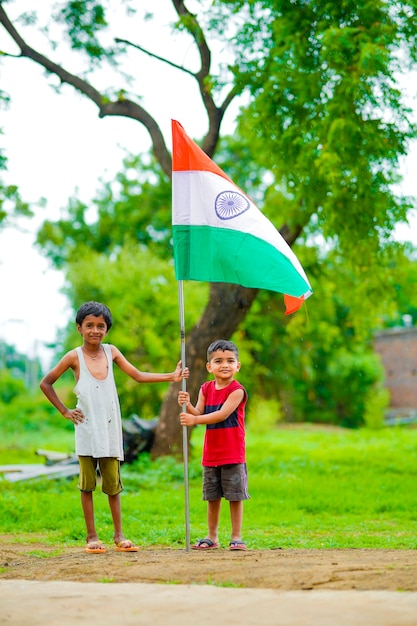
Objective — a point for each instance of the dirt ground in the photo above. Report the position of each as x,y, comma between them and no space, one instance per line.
49,586
390,570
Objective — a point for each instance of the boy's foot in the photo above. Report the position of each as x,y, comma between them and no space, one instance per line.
95,547
237,545
126,546
205,544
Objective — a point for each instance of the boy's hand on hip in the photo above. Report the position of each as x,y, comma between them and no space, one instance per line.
74,415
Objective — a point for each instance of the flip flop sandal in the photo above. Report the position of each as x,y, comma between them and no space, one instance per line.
205,544
95,547
126,546
237,545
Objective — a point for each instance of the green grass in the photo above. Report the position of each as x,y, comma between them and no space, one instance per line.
310,487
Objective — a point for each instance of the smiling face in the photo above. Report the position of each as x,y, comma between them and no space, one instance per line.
93,329
223,365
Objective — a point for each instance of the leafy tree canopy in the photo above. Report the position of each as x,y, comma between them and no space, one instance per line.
327,116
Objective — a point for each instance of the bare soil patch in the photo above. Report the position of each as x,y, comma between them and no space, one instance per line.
390,570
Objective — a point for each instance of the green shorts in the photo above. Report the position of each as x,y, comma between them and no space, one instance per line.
111,482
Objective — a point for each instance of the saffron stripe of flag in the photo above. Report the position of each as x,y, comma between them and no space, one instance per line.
220,235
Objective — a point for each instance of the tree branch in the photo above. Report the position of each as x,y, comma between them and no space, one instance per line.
127,108
121,107
215,114
155,56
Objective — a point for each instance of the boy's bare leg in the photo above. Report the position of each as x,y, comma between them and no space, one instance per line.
213,518
116,513
236,517
88,510
122,544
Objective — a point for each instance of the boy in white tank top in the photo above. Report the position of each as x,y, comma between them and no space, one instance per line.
96,417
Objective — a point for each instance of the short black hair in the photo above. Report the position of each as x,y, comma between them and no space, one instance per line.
96,309
221,344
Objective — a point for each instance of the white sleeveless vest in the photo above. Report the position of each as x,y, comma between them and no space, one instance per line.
100,435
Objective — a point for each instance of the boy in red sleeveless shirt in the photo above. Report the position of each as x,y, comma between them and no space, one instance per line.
221,406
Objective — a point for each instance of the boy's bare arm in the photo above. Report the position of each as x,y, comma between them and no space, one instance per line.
232,402
69,361
147,377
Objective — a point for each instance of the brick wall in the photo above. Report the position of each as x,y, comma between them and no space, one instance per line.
398,350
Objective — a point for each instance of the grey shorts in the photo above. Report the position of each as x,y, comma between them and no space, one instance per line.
227,481
109,471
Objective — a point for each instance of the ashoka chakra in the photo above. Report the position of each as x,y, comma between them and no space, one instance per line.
230,204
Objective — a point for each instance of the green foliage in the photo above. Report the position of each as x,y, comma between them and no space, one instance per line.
351,378
376,405
29,422
10,386
12,360
402,271
326,115
11,202
84,21
263,415
310,487
18,372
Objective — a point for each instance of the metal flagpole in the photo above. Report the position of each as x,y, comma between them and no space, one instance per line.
184,408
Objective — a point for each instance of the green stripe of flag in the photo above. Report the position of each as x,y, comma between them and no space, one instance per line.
210,254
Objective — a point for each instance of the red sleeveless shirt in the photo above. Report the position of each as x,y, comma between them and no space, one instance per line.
224,442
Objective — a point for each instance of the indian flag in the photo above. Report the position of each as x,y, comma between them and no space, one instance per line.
220,235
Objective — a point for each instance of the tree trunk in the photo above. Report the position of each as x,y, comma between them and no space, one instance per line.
226,308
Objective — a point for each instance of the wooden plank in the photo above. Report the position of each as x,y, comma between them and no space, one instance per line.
27,472
50,455
17,468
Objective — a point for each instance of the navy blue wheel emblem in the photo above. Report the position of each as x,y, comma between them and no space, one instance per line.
230,204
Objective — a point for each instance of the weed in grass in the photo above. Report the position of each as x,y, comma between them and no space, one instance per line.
106,580
172,582
42,554
225,583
